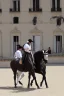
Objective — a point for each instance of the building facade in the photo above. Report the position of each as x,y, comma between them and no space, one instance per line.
18,24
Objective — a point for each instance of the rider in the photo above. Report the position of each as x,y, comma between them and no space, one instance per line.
18,54
18,58
27,48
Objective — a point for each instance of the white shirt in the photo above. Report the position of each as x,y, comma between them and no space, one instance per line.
27,48
18,54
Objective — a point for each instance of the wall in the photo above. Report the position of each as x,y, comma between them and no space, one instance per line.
25,26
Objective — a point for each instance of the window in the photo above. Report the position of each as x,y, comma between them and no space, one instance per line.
0,10
0,7
15,6
35,6
58,44
15,20
55,5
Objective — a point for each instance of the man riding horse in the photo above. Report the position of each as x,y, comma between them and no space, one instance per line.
28,54
28,62
18,58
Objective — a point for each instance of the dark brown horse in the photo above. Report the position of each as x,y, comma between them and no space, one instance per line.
29,68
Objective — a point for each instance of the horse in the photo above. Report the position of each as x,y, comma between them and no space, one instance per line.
40,59
16,66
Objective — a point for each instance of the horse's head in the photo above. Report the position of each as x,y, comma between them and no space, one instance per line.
41,55
45,53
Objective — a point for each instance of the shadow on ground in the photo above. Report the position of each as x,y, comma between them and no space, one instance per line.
18,89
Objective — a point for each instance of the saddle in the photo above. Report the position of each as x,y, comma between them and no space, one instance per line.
20,61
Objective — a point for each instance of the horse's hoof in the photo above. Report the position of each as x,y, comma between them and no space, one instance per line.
15,86
20,83
31,84
47,87
28,86
38,87
40,84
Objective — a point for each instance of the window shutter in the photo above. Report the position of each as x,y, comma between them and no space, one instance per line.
17,38
18,5
53,4
58,4
37,5
34,2
14,5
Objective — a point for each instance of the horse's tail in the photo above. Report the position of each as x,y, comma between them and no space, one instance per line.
13,65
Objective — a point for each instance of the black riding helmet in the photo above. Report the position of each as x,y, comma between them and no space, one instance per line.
19,46
30,40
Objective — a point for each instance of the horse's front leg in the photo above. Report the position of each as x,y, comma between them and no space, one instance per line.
41,82
15,79
34,78
29,75
32,82
44,79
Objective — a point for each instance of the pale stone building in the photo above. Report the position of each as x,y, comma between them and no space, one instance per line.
16,25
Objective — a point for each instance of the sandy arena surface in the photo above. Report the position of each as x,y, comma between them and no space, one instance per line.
55,79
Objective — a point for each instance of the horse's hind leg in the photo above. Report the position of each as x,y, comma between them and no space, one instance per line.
29,75
15,79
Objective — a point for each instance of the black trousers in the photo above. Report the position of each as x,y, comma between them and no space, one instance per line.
27,61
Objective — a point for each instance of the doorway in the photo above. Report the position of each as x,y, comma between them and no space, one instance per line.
36,44
15,43
0,44
58,43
